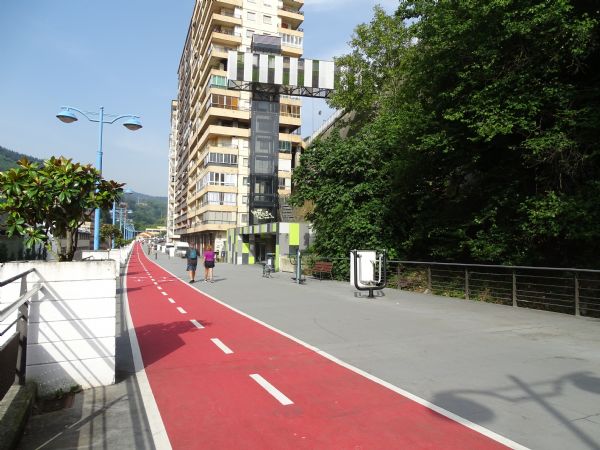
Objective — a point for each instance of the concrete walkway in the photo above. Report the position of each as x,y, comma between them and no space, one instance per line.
531,376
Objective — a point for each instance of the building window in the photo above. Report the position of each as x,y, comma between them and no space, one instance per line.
285,165
216,217
220,158
244,199
222,101
218,81
249,33
251,16
218,198
289,110
285,146
267,19
245,162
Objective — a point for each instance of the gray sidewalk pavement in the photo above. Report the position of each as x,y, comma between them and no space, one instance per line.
531,376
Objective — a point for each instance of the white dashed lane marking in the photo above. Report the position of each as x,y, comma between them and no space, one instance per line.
197,324
281,398
181,310
222,346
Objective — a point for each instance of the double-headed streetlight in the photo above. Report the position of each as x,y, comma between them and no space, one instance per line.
67,115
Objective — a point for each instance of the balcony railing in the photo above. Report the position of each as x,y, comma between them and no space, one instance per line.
230,14
292,10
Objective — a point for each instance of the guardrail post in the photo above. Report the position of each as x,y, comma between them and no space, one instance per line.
514,288
398,276
429,279
22,330
576,277
467,284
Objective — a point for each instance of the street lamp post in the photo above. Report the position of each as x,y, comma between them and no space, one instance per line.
132,123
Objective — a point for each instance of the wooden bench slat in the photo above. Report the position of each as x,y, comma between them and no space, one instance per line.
322,267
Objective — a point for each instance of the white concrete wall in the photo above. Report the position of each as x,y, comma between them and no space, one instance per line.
119,255
72,322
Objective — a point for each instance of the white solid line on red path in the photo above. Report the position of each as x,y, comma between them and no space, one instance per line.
181,310
222,346
171,300
197,324
164,293
281,398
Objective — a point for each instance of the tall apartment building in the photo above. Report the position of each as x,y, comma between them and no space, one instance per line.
171,235
238,115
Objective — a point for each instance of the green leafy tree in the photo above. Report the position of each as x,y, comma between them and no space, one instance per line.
53,200
110,232
479,121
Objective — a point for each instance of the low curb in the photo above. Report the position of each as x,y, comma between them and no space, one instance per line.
15,408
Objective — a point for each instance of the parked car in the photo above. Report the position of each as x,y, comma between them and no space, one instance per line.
181,248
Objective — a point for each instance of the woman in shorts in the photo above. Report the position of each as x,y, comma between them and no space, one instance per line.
209,263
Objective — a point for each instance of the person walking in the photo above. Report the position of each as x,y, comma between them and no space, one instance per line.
192,262
209,264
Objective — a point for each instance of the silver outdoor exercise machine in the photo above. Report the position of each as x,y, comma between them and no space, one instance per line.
368,270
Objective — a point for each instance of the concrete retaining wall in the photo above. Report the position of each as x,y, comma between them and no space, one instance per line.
72,321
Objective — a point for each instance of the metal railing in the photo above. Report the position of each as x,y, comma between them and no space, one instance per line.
564,290
17,343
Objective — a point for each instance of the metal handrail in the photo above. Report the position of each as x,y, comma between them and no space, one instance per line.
16,277
4,313
22,306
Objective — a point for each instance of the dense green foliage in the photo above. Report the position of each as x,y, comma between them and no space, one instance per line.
475,138
53,199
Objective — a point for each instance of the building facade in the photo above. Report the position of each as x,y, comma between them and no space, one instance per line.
236,125
211,158
172,187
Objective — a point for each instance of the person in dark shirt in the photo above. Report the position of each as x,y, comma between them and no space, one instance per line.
192,262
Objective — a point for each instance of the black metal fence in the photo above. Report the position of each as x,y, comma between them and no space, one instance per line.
564,290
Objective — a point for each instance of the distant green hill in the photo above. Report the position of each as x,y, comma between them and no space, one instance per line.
8,158
148,211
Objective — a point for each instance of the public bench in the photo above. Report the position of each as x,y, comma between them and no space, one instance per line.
322,267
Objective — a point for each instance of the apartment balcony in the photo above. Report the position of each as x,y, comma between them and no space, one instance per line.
289,120
288,137
295,4
226,19
224,36
214,131
217,53
291,15
291,51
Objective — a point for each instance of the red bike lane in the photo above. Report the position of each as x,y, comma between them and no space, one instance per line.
223,381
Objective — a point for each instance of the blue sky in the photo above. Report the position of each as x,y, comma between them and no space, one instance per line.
122,55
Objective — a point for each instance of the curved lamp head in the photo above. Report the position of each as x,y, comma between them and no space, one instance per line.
133,123
66,115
